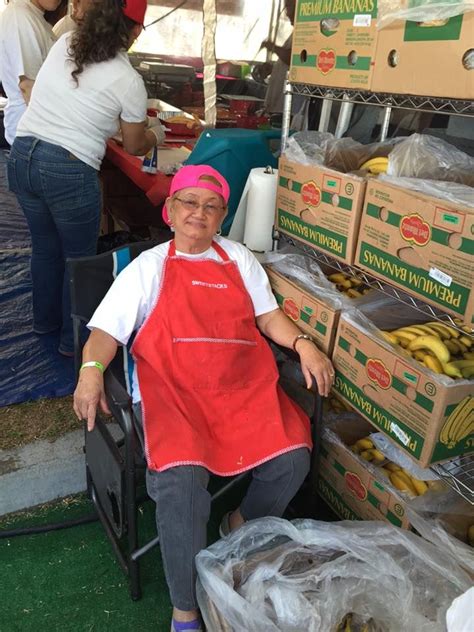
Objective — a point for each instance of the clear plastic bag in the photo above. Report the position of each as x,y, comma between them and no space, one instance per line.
451,191
341,154
307,148
441,532
420,10
430,158
307,274
346,154
272,575
401,458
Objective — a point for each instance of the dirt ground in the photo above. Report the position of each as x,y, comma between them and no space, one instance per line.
43,419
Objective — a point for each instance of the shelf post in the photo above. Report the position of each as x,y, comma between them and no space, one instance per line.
386,122
286,121
326,108
344,119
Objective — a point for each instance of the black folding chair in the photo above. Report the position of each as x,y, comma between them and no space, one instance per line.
115,466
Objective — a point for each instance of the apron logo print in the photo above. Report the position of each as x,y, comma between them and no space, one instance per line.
215,286
240,461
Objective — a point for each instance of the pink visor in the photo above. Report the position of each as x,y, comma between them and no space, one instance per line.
190,176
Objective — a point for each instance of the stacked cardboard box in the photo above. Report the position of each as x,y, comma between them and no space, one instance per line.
334,43
320,207
313,314
427,59
421,244
397,395
346,483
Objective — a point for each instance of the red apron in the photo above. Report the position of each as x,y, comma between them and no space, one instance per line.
208,379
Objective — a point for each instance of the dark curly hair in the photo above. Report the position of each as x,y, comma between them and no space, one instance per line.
104,32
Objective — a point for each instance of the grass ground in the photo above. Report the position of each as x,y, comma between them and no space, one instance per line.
43,419
69,580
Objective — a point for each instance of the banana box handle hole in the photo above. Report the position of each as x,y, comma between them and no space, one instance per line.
352,58
304,56
455,241
393,58
468,59
383,214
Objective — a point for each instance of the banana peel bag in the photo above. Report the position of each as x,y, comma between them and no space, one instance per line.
272,575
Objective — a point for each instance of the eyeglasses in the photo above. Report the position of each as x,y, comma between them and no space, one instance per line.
193,205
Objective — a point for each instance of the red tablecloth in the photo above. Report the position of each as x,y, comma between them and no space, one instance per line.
155,186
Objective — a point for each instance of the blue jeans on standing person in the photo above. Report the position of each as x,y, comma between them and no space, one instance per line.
60,197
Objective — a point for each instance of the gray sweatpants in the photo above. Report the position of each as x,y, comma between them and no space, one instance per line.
183,506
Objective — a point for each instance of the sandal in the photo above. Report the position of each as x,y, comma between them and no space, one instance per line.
187,629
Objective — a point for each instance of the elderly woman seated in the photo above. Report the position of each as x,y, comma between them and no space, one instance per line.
205,386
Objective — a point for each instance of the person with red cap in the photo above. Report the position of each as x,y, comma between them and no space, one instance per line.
205,384
84,93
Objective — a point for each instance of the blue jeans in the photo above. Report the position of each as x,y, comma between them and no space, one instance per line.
60,197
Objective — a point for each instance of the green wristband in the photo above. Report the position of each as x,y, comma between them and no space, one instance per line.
97,365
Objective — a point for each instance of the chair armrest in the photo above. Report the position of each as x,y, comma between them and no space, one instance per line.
116,393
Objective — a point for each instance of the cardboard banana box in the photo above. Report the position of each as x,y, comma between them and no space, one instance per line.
355,491
313,315
320,207
349,486
429,415
334,43
409,54
421,244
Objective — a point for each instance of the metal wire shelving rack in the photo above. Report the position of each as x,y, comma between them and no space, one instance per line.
459,472
390,290
456,107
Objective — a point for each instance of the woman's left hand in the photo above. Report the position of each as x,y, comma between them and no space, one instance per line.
315,365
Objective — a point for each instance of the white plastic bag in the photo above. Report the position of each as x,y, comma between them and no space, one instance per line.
272,575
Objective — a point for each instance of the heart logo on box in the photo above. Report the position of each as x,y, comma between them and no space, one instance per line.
311,194
326,60
291,309
377,372
413,228
355,485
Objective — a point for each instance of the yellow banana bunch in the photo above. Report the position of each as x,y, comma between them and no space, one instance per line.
438,346
351,286
375,165
459,424
404,481
400,478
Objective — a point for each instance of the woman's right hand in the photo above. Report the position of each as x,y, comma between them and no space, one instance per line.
89,394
